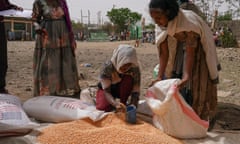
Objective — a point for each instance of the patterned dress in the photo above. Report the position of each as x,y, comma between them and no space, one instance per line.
201,91
54,64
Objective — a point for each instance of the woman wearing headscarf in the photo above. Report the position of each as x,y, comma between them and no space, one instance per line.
199,76
55,70
119,79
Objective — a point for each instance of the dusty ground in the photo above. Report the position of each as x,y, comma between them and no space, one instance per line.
19,77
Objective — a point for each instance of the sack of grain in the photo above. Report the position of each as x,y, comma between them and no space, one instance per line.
13,120
172,114
88,95
60,109
10,99
143,108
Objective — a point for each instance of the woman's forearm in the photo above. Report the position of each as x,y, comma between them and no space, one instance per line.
109,97
163,54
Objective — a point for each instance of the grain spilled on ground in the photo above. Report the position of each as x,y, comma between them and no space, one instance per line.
110,130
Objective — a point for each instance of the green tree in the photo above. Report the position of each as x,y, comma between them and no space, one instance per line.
228,39
123,17
77,26
225,17
150,26
108,28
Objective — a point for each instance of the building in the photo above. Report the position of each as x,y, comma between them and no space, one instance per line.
19,27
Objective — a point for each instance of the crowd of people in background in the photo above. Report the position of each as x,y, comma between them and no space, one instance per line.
148,37
218,34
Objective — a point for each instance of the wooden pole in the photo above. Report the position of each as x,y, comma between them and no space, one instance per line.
215,15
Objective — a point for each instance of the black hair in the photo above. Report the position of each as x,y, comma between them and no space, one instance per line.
170,7
183,1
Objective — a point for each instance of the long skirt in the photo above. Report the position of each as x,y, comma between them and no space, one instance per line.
54,64
200,92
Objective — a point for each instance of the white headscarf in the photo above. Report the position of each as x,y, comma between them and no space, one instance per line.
124,54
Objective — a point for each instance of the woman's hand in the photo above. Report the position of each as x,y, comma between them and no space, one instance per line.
154,81
74,46
183,81
120,107
44,35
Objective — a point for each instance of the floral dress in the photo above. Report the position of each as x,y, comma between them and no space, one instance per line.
54,64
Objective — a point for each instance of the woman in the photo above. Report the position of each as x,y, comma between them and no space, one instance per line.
55,70
199,70
119,78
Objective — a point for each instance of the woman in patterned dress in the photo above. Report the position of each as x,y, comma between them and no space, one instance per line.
54,64
199,71
119,79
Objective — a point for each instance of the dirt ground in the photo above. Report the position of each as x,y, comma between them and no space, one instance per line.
19,76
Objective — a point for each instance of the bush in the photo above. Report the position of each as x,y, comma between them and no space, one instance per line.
228,39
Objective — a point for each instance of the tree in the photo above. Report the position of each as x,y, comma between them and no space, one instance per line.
77,26
235,7
208,7
108,28
225,17
150,26
123,17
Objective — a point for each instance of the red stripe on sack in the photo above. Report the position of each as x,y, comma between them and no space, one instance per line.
188,111
150,94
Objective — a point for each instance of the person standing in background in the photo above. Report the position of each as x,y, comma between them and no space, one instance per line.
4,5
54,64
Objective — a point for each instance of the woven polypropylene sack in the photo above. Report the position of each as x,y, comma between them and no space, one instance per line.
172,114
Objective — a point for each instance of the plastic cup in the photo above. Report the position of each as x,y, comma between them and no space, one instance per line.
131,116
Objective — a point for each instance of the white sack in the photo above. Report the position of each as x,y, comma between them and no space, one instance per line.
172,114
88,95
13,120
10,99
60,109
143,108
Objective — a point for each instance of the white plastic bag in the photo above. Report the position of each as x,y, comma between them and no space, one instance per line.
60,109
172,114
13,120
